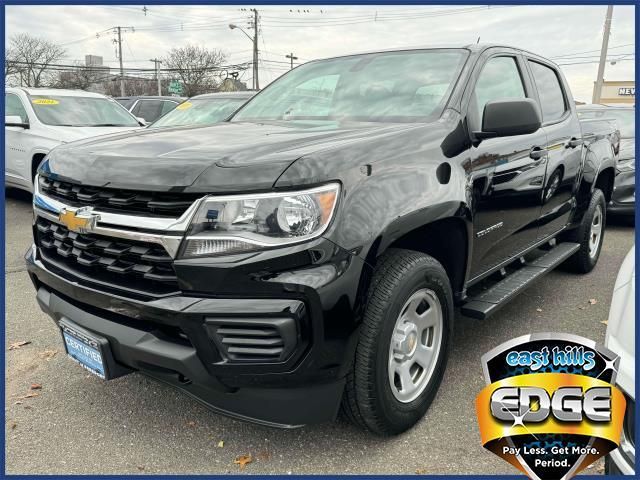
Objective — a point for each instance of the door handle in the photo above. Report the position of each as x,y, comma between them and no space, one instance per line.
537,153
574,142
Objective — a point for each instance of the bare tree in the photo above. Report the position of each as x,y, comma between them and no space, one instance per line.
30,60
81,77
196,67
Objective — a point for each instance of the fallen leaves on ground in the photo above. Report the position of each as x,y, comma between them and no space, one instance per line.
141,468
243,460
17,345
604,322
48,354
221,444
29,395
421,471
13,425
592,301
36,386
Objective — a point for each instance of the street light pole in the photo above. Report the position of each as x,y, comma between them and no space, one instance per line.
292,59
597,89
254,41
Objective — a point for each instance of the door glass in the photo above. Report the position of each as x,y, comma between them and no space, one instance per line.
500,78
13,106
549,90
149,109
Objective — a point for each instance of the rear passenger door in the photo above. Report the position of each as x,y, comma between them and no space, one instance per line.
564,148
507,193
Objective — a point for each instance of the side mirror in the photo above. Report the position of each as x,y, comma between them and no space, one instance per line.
509,117
142,121
14,121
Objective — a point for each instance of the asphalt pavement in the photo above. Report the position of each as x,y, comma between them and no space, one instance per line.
76,423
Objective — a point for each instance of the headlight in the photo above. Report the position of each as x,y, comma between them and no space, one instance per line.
626,165
242,223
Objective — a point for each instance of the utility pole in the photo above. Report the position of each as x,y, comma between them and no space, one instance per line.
120,58
292,59
118,31
597,90
255,48
157,65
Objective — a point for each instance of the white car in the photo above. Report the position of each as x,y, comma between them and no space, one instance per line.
620,339
38,119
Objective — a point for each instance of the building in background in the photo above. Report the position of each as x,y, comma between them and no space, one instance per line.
618,92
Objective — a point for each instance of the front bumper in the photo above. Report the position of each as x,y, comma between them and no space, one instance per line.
173,339
623,199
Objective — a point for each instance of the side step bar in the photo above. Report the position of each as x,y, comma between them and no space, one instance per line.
491,300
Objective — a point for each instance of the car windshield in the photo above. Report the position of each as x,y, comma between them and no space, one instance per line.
72,111
626,119
405,86
200,111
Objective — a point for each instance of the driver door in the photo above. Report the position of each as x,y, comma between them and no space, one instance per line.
507,207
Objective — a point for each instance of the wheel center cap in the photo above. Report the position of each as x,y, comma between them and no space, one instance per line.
405,341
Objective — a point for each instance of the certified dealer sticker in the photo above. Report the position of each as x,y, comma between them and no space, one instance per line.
550,407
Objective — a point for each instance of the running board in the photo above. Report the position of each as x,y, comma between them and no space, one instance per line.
491,300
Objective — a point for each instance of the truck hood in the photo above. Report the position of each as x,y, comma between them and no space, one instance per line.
223,157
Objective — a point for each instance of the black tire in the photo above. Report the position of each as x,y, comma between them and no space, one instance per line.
582,261
368,399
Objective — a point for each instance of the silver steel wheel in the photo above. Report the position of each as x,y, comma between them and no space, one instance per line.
415,345
596,232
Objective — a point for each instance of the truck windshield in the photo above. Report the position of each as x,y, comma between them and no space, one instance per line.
405,86
626,119
72,111
200,111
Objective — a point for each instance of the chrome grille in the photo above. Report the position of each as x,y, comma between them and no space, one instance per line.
161,204
135,266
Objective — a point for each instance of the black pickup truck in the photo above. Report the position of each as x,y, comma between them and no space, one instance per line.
311,251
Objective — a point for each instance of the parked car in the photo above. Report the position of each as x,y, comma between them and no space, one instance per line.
623,199
39,119
205,109
307,253
620,339
149,108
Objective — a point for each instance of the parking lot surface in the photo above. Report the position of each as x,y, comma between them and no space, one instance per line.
76,423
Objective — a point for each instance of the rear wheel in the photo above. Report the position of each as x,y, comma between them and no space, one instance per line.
590,235
404,343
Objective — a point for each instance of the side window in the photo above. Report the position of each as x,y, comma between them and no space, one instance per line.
550,92
500,78
13,106
149,109
167,106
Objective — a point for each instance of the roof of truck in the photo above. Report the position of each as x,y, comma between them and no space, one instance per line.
473,47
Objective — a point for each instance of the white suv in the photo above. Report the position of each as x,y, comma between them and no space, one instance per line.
38,119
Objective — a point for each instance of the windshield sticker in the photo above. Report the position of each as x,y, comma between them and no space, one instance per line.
184,106
44,101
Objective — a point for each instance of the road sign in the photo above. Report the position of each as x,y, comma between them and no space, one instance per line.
175,87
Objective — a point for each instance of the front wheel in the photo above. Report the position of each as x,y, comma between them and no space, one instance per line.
404,343
590,235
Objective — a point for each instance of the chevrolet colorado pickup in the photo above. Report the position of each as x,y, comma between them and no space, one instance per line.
307,254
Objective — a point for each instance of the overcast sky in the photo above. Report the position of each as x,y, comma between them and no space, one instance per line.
567,34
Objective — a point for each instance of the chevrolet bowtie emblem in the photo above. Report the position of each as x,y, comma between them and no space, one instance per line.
81,220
